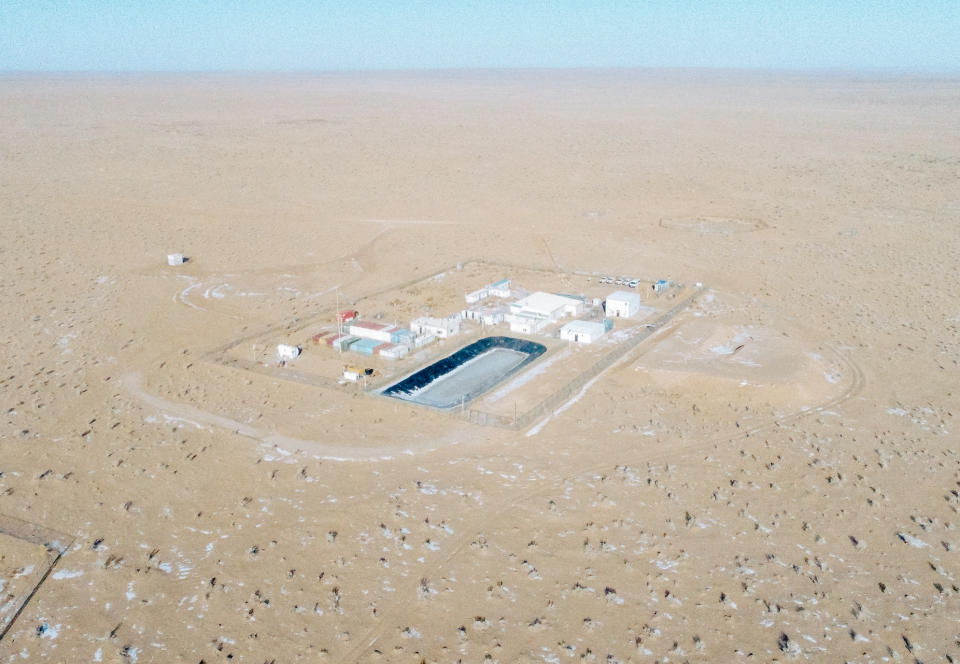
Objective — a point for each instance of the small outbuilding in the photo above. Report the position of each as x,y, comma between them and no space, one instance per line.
401,335
483,314
660,285
394,351
437,327
582,331
526,324
500,288
286,352
366,346
423,340
622,304
477,295
341,342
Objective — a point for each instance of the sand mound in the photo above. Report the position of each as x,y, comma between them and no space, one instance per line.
737,352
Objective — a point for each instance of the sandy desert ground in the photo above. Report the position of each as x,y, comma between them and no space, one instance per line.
795,500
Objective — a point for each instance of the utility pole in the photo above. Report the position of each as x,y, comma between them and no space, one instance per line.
339,323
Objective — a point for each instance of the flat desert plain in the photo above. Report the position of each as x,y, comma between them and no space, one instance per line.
773,475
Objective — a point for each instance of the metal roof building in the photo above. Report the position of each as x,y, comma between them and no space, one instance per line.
546,306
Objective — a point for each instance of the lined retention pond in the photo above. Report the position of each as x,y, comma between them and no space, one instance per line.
463,376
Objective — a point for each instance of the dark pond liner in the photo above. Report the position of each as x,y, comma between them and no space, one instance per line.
406,389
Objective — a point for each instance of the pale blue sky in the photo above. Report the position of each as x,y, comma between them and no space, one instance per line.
192,35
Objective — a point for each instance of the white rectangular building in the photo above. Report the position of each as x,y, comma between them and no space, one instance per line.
547,306
476,296
438,327
534,312
526,324
621,304
582,331
424,340
394,352
500,288
483,314
370,330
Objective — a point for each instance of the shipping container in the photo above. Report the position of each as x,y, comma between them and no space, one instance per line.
401,336
365,346
342,341
394,351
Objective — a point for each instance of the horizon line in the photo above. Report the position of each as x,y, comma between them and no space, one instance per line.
902,71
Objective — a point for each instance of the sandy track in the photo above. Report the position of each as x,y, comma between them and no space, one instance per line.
317,449
408,222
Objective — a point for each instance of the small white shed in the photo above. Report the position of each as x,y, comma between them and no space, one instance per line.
438,327
394,352
621,304
286,352
525,324
582,331
500,288
476,296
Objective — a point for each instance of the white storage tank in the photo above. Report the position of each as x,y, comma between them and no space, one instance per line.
286,352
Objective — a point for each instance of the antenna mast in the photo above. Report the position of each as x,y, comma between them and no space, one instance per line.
339,324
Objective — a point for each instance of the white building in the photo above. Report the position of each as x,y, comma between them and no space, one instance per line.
370,330
483,314
582,331
621,304
547,306
286,352
500,288
424,340
525,324
477,295
438,327
534,312
394,352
